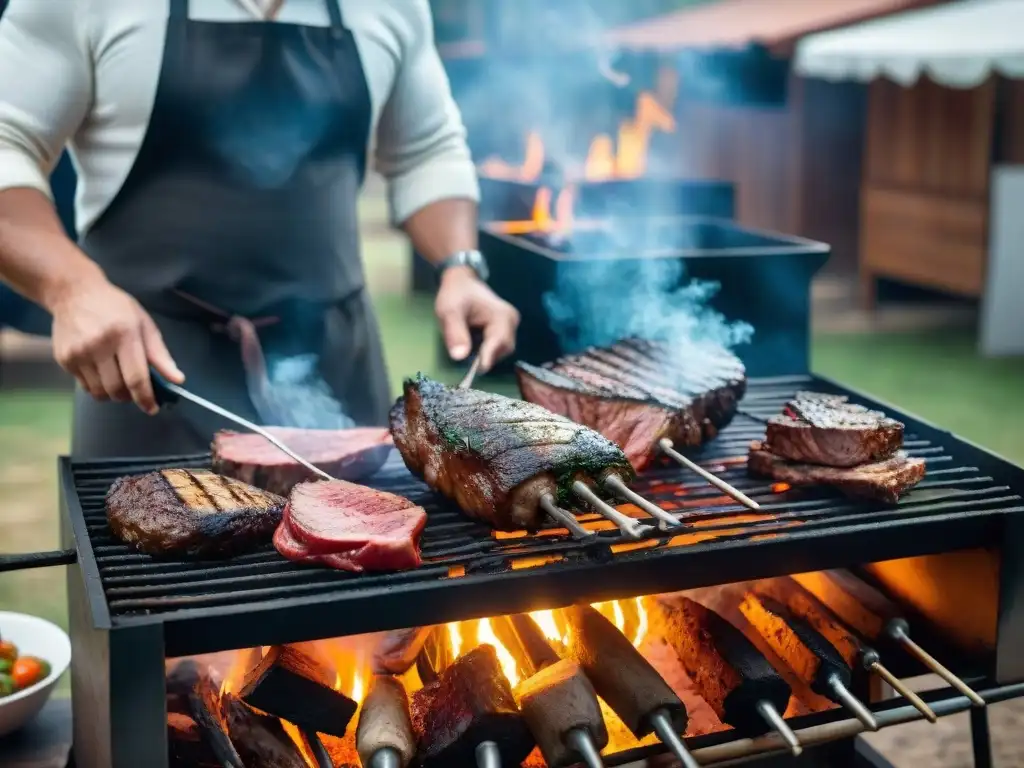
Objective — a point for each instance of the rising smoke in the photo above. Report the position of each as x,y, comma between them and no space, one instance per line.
296,395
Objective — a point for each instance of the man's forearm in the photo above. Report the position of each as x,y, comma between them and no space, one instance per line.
36,257
443,228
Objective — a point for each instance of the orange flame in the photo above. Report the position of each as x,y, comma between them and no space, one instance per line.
485,635
780,487
300,743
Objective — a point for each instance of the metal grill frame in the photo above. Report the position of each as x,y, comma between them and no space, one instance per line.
118,661
380,602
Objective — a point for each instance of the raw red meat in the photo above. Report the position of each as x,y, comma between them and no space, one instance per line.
347,454
350,527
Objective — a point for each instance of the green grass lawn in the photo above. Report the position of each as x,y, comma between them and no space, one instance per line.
937,377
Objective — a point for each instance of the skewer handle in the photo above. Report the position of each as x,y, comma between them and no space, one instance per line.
488,755
580,740
634,529
665,519
386,758
897,630
564,517
900,688
778,724
666,445
852,703
662,724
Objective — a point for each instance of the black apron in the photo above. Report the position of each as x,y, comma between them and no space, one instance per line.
238,221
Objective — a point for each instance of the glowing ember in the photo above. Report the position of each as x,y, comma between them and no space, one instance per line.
780,487
485,635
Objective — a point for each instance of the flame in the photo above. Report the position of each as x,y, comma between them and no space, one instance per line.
623,156
642,625
485,635
358,687
455,638
300,743
780,487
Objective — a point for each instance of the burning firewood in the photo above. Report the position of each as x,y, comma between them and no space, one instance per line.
805,606
810,655
731,675
260,739
191,689
626,681
874,616
296,687
557,699
187,748
384,736
469,705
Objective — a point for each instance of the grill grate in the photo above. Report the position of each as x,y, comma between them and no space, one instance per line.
469,571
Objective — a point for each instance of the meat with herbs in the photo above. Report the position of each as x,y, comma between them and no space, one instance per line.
497,457
886,480
827,429
191,513
636,392
347,454
350,527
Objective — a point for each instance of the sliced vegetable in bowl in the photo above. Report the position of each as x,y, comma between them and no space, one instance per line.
34,653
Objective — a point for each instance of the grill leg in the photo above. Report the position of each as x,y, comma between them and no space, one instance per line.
981,739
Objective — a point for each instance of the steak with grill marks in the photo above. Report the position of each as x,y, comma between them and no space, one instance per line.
829,430
347,454
350,527
191,513
884,480
636,392
497,457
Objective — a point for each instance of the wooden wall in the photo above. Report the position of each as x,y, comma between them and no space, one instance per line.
796,169
924,205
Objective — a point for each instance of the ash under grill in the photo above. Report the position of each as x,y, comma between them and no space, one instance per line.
469,571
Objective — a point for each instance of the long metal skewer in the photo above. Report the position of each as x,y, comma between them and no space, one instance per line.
564,517
852,703
900,687
662,725
488,755
386,757
167,392
778,724
897,630
580,740
666,446
629,526
615,484
474,369
320,754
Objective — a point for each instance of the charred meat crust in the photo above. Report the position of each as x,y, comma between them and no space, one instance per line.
728,670
495,456
636,392
191,513
828,430
885,481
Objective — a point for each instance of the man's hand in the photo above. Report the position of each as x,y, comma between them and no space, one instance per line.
464,302
104,338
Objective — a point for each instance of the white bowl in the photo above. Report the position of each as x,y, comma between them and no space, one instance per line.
34,637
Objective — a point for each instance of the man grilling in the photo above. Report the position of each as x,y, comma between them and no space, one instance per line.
221,146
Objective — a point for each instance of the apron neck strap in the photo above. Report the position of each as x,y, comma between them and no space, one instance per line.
179,10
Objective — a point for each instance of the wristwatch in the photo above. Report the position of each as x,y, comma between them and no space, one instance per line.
472,259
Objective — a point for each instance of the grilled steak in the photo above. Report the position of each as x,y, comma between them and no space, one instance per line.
884,480
350,527
470,703
636,392
494,456
347,454
191,513
826,429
